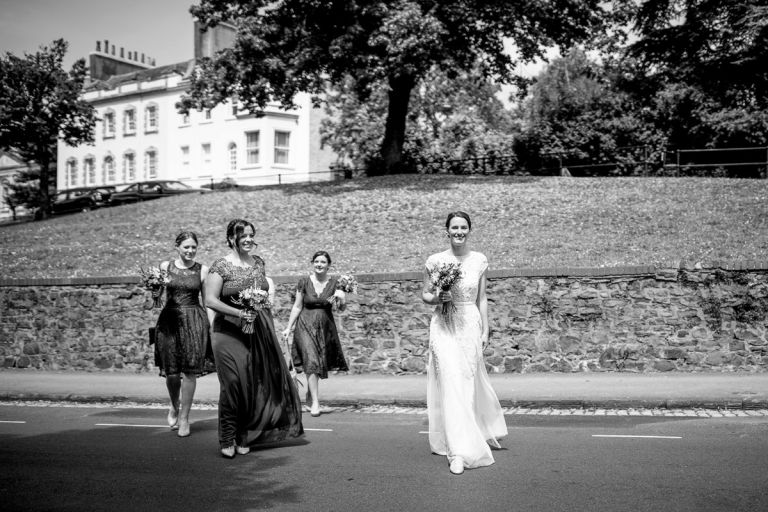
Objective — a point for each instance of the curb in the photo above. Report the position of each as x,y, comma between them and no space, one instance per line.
745,404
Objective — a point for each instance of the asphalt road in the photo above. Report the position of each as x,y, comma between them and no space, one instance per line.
97,458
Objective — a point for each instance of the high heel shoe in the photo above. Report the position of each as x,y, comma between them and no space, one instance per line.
228,452
173,418
183,427
315,410
242,450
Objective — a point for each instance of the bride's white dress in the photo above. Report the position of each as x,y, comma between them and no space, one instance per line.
465,416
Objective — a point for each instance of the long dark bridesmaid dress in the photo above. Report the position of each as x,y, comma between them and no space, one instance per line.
258,400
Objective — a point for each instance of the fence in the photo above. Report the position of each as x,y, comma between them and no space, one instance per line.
721,162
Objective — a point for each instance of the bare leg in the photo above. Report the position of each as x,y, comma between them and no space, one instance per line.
173,383
188,385
313,383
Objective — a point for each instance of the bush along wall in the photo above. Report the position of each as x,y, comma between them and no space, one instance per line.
637,319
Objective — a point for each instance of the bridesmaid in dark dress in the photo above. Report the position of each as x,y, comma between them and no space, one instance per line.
316,347
182,331
258,400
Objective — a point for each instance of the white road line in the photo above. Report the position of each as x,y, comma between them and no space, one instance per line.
318,429
12,421
636,437
129,425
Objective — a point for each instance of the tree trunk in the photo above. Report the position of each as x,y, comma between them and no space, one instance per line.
400,88
45,202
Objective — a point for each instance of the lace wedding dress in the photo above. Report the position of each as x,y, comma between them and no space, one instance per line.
465,416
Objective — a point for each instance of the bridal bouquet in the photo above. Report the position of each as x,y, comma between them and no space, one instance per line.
345,283
155,280
442,277
252,299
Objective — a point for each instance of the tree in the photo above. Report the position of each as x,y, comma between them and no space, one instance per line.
39,104
704,65
379,46
448,118
578,110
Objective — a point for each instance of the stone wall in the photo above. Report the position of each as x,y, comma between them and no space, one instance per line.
638,319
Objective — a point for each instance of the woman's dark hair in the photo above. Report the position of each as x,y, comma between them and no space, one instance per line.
321,253
235,230
184,235
457,213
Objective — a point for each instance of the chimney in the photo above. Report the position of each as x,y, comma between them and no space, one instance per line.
142,58
122,52
106,46
98,46
113,49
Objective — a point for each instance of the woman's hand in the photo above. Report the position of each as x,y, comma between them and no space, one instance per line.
339,294
247,315
444,296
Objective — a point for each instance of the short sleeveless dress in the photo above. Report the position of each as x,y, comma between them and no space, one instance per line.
182,330
258,399
316,345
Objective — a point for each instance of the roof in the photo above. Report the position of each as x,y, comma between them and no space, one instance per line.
144,75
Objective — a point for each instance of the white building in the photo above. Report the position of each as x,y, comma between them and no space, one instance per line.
141,136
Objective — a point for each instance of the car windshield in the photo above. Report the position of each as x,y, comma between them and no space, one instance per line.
132,188
61,196
78,193
176,185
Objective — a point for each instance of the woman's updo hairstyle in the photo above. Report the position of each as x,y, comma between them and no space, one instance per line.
458,213
321,253
185,235
235,230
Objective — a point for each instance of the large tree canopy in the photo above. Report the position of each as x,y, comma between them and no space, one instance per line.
39,104
283,48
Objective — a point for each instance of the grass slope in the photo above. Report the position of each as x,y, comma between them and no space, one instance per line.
391,224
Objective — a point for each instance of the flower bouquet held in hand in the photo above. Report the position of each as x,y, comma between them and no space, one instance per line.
443,277
346,283
155,280
252,299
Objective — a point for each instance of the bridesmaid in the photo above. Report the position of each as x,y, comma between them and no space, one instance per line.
258,400
316,348
183,338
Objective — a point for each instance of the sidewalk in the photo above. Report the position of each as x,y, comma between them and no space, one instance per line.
556,390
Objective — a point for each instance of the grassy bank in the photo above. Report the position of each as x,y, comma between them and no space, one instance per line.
392,224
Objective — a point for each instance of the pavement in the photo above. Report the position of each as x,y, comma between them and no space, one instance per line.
610,390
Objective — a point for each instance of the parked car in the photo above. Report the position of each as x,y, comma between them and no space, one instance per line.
146,190
82,199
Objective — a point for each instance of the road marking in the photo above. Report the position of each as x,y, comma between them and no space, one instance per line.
11,421
319,429
129,425
636,437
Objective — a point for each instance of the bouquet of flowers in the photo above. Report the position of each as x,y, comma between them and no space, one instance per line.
155,280
442,277
345,283
252,299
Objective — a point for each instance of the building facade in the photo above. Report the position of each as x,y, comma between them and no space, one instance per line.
141,136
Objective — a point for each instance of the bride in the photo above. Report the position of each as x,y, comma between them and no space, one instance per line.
465,416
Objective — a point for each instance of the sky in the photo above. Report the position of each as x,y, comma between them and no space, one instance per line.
161,29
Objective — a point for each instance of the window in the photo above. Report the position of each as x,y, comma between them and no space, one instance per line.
185,158
109,169
150,118
129,121
109,124
89,170
235,109
150,163
206,150
232,150
207,113
129,166
71,177
185,118
252,147
282,147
